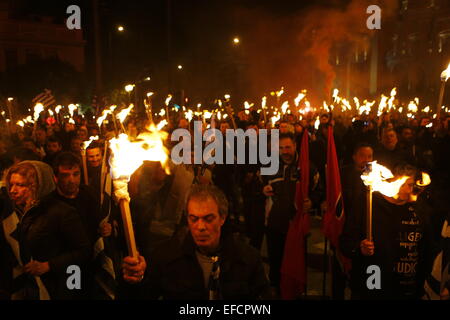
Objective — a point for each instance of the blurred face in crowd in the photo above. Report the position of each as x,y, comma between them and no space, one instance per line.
75,145
69,127
82,133
324,119
30,145
68,181
287,150
389,139
223,127
19,190
21,135
53,147
406,190
183,124
41,136
132,129
298,128
362,156
94,157
2,147
424,122
284,127
205,223
407,135
254,127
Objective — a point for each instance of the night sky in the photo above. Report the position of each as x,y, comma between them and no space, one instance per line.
200,34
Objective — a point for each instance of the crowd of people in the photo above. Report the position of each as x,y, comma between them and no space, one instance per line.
200,230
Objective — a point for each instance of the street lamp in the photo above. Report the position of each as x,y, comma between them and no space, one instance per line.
236,41
120,29
180,67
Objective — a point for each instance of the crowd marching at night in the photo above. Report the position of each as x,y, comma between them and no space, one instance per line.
201,229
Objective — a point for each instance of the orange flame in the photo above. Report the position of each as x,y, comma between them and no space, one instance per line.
86,144
378,178
445,75
127,156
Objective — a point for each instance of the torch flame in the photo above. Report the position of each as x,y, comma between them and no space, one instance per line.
378,178
280,93
425,181
299,99
72,108
445,75
38,108
161,125
207,114
86,144
103,117
189,115
20,123
123,114
169,97
284,107
58,109
127,156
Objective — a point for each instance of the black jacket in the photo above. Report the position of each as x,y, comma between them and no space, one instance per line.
387,230
284,184
174,272
52,231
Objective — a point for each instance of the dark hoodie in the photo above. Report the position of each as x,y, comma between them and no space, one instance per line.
51,231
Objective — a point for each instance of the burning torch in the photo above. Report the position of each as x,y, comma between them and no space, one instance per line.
86,144
126,157
445,75
378,178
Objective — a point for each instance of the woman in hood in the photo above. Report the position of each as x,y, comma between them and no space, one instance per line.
45,236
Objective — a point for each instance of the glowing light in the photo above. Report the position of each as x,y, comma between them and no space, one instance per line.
38,108
378,178
86,144
72,108
299,99
445,75
123,114
284,107
103,117
127,156
129,87
168,99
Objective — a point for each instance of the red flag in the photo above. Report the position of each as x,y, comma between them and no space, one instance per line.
333,221
293,269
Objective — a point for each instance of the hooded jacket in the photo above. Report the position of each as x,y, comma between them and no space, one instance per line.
50,231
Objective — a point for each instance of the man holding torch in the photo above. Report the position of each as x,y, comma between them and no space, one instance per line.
398,241
205,262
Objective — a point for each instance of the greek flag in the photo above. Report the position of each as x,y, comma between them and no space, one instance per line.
25,286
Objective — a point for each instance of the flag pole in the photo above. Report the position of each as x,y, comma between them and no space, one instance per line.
325,268
306,265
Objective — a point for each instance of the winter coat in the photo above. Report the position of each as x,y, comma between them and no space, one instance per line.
174,272
389,237
50,231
